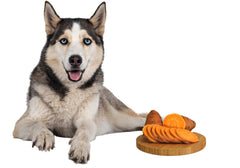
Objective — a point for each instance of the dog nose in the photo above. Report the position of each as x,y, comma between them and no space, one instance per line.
75,60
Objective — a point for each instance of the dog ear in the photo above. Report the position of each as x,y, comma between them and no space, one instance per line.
51,18
98,19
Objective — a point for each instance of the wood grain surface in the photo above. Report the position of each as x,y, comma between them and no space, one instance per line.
145,145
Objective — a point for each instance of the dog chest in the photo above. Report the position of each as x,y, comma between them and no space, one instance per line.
51,106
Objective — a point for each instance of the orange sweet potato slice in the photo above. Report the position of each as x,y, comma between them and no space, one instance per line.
154,118
174,133
187,135
172,138
146,133
150,132
174,121
165,135
162,138
154,133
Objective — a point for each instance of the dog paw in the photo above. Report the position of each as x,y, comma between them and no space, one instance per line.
44,140
79,151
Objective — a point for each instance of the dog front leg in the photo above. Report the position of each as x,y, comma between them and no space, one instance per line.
35,131
86,131
80,143
31,125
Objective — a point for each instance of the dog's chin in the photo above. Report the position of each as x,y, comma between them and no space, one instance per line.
75,75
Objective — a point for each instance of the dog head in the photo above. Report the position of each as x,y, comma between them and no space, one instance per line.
74,49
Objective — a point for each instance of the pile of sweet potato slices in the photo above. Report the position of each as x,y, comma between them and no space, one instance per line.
173,129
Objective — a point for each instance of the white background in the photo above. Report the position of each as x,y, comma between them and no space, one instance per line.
171,56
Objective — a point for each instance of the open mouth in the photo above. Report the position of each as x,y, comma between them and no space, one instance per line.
75,75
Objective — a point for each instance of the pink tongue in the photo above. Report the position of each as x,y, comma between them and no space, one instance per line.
75,76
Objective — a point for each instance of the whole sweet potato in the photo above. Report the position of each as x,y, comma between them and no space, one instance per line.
154,118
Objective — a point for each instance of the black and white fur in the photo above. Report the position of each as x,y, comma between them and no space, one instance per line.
66,95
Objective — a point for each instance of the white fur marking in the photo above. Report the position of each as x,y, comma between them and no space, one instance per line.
76,48
75,33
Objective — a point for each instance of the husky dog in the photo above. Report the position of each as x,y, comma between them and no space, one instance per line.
66,95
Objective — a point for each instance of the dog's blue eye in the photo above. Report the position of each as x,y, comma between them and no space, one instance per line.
87,41
63,41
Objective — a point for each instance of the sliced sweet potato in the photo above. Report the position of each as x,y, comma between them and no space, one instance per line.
187,135
189,124
154,133
156,136
150,132
154,118
174,133
177,121
172,138
164,134
162,138
146,133
174,121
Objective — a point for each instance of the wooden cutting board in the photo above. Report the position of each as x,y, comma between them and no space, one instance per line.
145,145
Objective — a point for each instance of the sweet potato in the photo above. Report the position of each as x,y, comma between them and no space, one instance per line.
174,133
190,124
154,118
153,132
173,129
172,138
169,140
174,121
156,133
161,138
187,135
150,132
177,121
146,133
